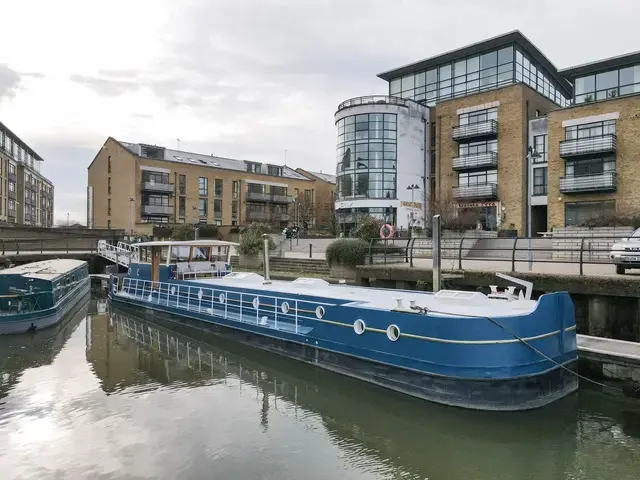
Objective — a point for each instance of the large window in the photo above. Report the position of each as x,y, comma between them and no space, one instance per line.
217,187
202,210
611,84
470,75
478,116
154,177
217,209
182,184
580,213
477,148
540,181
589,130
590,166
348,218
203,186
540,146
155,200
366,153
484,177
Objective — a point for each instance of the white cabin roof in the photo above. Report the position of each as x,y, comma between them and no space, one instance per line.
185,243
44,270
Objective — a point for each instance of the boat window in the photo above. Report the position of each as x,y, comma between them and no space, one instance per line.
221,255
200,253
163,254
179,253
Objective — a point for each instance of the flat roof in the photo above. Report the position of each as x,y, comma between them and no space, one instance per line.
45,269
190,243
610,63
476,48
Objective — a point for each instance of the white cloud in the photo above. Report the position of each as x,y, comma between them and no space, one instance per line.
245,79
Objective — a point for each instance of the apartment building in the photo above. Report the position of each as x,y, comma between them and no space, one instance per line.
512,140
325,191
136,186
26,196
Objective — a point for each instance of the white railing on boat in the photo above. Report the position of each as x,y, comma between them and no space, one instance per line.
122,253
278,312
195,274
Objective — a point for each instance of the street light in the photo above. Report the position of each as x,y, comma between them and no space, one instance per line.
413,188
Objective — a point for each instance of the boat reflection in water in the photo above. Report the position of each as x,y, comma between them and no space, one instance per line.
29,350
367,423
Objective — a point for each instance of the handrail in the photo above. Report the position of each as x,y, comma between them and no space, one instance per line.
375,99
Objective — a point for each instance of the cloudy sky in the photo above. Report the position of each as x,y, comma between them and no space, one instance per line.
244,78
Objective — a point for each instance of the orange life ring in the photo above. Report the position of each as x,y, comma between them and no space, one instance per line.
389,228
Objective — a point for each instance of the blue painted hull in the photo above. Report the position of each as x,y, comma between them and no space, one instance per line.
12,324
463,362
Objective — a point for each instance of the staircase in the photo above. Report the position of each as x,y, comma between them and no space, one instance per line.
119,254
302,266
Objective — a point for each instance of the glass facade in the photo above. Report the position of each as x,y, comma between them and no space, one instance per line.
590,130
347,218
477,73
580,213
366,153
609,84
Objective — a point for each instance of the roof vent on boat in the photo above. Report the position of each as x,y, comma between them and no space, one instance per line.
310,281
247,276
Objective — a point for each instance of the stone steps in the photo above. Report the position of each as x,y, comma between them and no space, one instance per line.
294,265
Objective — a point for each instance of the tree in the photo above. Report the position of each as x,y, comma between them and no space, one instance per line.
252,242
452,217
303,210
332,222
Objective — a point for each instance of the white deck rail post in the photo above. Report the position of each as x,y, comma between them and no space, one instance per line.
437,253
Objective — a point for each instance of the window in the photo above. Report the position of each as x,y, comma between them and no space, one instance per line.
217,209
109,224
580,213
234,210
155,177
274,170
253,167
203,207
109,207
483,177
109,186
109,164
540,181
155,200
477,148
182,207
540,147
478,116
12,186
590,130
235,189
203,186
12,169
609,84
590,166
366,156
217,187
182,184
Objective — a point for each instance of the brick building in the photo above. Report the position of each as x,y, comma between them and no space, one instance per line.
518,143
136,186
324,195
26,196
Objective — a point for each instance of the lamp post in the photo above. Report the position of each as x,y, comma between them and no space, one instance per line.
132,204
532,155
413,188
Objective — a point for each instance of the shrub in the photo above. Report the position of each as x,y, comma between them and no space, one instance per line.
368,228
251,242
347,252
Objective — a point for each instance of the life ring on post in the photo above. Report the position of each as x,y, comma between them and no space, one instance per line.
386,231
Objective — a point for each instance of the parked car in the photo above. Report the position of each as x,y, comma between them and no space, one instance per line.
625,254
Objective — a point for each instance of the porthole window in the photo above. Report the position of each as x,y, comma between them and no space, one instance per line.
256,303
173,290
320,312
284,307
393,333
221,298
359,326
200,294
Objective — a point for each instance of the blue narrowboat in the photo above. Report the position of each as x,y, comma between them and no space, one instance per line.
40,294
501,351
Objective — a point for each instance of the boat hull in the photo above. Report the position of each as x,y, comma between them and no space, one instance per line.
509,394
13,324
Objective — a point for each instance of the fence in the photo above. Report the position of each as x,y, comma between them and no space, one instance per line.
45,245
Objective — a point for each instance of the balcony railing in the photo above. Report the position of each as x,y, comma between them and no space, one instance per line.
267,197
480,160
12,212
157,187
486,129
489,190
267,216
588,146
161,210
375,99
603,182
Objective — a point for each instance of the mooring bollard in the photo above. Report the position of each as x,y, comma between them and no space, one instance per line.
310,247
437,267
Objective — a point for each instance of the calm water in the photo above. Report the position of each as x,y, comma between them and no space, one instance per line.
120,397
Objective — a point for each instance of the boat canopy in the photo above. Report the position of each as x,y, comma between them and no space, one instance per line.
188,251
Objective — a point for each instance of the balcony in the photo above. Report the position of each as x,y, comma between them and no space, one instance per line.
267,197
480,160
486,129
588,146
159,210
156,187
13,177
256,216
375,100
602,182
12,212
489,190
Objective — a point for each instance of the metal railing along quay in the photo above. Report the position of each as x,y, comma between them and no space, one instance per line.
581,251
48,245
